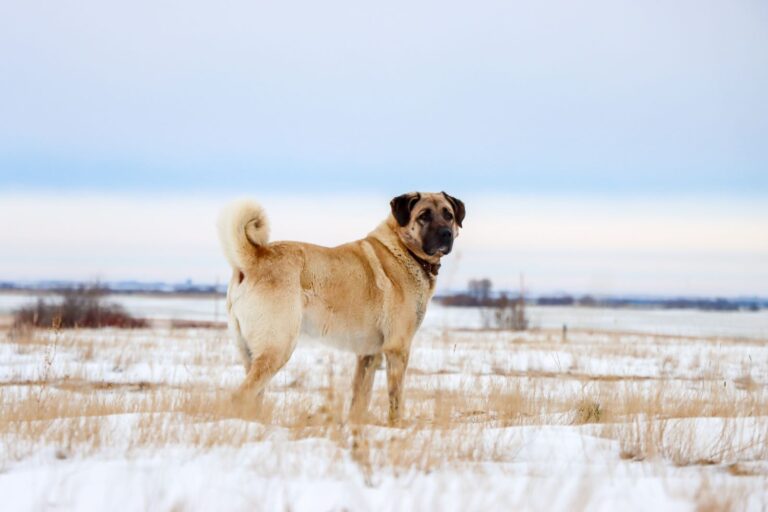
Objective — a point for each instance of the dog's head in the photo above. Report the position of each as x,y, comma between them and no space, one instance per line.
428,223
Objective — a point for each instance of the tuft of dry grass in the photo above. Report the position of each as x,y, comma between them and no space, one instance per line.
588,411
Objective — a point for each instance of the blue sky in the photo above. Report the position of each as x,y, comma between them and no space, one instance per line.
576,102
596,96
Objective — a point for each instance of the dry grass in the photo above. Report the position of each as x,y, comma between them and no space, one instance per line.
83,392
588,411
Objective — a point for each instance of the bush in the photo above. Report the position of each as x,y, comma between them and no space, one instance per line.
78,307
506,314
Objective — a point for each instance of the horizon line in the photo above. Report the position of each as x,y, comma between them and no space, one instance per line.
40,285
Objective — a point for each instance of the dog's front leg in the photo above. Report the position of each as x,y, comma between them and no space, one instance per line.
362,385
397,362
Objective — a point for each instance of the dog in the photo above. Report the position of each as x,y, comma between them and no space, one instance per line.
368,296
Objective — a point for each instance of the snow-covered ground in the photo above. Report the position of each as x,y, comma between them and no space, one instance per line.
623,412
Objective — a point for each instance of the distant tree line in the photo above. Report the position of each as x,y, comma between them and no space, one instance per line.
716,304
479,293
119,287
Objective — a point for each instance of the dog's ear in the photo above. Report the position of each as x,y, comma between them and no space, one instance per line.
402,207
458,208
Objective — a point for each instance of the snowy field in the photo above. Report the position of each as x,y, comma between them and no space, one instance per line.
649,321
631,410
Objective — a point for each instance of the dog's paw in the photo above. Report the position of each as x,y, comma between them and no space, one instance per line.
246,406
361,418
394,421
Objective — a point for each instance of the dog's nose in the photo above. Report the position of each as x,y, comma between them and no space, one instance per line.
445,234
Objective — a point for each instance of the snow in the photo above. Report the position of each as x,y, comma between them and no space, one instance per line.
539,458
553,476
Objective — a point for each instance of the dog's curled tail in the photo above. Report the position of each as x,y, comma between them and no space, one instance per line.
242,226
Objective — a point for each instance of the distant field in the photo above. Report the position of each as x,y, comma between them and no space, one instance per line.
676,322
646,410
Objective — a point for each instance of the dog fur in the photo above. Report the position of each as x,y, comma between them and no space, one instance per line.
368,296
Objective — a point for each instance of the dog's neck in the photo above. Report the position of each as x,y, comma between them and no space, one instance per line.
386,234
430,268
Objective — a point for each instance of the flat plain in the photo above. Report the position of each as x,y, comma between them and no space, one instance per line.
669,415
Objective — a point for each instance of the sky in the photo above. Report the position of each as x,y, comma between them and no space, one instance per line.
601,147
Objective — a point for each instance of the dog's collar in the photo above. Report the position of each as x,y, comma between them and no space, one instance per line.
430,268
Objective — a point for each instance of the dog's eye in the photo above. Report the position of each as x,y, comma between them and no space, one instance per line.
447,215
425,216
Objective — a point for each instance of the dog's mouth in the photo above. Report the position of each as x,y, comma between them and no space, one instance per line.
440,250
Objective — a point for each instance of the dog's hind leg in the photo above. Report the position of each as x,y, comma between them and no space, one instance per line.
267,338
264,365
362,386
242,344
233,324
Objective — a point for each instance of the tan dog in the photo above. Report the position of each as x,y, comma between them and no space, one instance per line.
367,296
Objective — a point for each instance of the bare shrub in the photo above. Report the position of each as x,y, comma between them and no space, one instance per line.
78,307
499,312
506,314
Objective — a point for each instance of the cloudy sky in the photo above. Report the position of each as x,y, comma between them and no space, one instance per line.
601,146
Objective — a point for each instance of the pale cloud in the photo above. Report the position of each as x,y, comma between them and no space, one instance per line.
645,225
669,246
